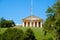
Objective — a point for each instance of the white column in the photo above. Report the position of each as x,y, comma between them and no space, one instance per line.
23,24
37,24
33,24
30,24
41,24
26,24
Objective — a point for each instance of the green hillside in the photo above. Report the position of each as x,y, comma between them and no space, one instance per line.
39,34
2,30
37,31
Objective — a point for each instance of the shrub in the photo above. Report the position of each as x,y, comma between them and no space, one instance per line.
29,35
13,34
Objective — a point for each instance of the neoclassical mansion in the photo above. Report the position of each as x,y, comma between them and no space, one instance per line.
32,21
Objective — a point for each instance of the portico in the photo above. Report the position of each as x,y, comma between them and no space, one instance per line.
32,21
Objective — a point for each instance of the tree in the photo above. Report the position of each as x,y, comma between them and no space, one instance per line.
1,20
6,23
13,34
52,22
29,35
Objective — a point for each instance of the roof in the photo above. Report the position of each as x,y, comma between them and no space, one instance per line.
32,17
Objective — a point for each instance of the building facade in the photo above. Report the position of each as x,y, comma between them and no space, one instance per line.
32,21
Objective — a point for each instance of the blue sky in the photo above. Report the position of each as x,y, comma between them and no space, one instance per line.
18,9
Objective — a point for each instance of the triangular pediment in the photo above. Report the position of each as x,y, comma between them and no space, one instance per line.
32,17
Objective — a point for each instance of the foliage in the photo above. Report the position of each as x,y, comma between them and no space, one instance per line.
6,23
13,34
29,35
38,32
52,23
17,34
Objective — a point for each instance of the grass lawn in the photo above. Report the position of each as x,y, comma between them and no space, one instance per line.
2,30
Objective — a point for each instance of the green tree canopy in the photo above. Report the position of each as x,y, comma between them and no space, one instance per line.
6,23
52,22
29,35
